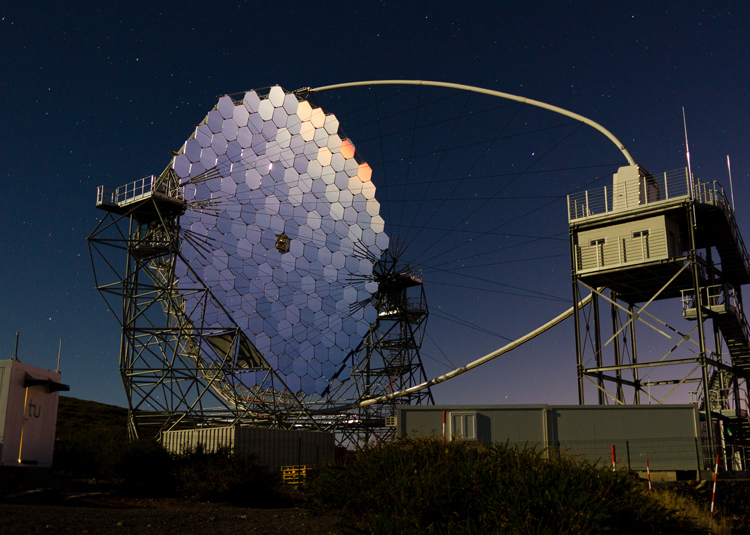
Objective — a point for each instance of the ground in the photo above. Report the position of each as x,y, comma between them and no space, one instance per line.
102,512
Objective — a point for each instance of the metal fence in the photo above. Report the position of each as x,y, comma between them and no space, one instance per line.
663,454
649,190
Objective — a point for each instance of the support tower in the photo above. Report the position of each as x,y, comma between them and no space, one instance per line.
656,237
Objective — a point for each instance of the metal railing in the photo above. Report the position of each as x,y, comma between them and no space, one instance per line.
718,298
648,190
713,193
134,191
651,189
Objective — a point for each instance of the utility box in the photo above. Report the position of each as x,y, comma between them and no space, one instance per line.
28,414
633,187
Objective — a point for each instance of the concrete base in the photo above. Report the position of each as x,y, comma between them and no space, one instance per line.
687,475
709,475
659,476
669,475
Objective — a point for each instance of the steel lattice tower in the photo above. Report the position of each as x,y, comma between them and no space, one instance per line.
650,238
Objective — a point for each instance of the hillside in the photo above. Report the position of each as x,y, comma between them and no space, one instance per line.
75,415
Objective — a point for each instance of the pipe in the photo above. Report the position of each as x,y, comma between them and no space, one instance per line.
463,369
490,92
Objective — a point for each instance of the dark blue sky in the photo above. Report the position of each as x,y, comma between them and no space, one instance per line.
97,94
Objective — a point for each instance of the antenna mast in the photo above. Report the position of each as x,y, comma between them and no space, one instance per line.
690,170
731,188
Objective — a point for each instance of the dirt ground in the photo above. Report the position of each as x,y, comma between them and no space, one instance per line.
100,511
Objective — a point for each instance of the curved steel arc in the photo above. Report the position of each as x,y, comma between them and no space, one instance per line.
508,96
458,371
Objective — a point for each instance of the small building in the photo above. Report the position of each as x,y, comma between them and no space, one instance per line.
28,414
634,242
668,436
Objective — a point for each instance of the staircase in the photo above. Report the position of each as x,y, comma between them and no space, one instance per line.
719,302
739,427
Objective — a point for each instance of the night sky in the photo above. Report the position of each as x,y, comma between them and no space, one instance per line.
99,94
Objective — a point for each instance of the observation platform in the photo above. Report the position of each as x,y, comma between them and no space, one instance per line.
634,236
146,199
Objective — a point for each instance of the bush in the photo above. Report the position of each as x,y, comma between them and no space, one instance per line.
102,454
423,486
222,476
146,468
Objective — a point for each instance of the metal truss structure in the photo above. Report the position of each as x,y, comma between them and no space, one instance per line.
388,359
179,373
654,238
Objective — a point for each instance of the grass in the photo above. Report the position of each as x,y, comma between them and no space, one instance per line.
697,513
412,486
424,486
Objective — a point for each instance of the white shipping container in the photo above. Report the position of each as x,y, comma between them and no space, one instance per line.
274,448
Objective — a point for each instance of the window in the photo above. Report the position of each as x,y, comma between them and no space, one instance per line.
642,235
599,244
463,425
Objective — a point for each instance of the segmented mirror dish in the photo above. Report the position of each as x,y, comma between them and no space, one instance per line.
283,227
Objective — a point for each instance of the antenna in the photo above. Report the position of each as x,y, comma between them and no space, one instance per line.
731,188
690,170
16,353
687,150
59,350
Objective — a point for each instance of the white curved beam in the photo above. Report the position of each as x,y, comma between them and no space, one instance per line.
463,369
508,96
458,371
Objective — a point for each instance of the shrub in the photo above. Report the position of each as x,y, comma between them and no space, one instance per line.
89,454
145,467
424,486
222,476
102,454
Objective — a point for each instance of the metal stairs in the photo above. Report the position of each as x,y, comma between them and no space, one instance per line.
720,303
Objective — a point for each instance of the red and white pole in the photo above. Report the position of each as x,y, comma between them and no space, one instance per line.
443,426
648,471
614,459
713,495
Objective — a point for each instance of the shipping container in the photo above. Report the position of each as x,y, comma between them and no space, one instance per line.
668,436
273,448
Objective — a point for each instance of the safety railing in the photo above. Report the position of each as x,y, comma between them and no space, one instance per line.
134,191
713,193
712,297
719,299
630,195
106,195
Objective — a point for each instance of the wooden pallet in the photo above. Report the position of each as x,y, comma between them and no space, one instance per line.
297,474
